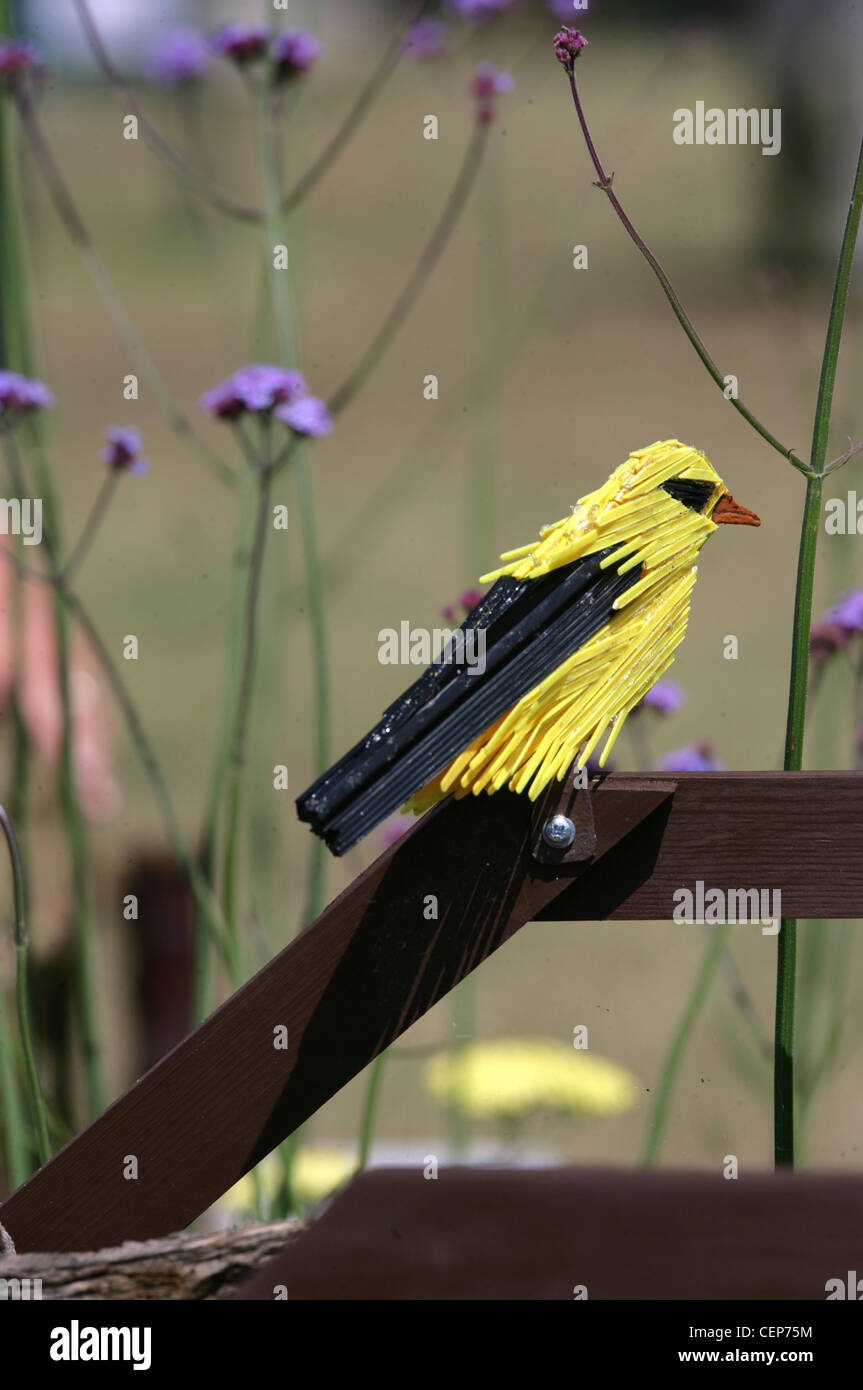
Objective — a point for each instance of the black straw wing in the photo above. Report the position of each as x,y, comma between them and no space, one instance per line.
530,627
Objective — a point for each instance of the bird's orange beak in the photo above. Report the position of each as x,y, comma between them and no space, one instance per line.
727,510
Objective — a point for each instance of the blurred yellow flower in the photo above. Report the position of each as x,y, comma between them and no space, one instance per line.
510,1077
316,1172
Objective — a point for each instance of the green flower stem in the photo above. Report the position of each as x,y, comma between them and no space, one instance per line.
85,966
85,952
22,993
659,1116
783,1089
315,590
370,1107
835,989
73,224
208,845
277,328
236,769
268,111
286,340
13,1129
604,181
16,338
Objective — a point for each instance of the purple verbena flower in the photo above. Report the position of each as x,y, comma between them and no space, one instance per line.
261,386
826,639
393,829
695,757
17,55
479,10
243,43
19,59
568,43
425,39
466,601
488,82
22,393
666,697
293,52
179,56
307,416
223,401
258,386
848,612
123,451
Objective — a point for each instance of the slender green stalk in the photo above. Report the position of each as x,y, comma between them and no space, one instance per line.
13,1128
22,993
317,608
85,950
836,981
798,681
671,1066
235,776
85,965
92,524
286,340
208,845
370,1107
17,329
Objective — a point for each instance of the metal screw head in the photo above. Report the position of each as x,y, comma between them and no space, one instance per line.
559,832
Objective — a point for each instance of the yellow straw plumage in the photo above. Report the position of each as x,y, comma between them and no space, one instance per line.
585,701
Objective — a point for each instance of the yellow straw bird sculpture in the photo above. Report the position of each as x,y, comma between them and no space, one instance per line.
577,627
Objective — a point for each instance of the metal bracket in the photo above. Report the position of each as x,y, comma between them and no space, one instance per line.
564,830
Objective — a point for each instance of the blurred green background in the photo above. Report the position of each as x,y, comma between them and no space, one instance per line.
549,376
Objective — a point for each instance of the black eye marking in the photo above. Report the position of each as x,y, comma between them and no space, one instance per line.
692,492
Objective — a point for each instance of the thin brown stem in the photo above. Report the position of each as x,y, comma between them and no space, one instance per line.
604,181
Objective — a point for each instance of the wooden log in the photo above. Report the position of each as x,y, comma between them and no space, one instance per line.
181,1267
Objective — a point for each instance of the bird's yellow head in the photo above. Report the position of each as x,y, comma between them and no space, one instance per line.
657,509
